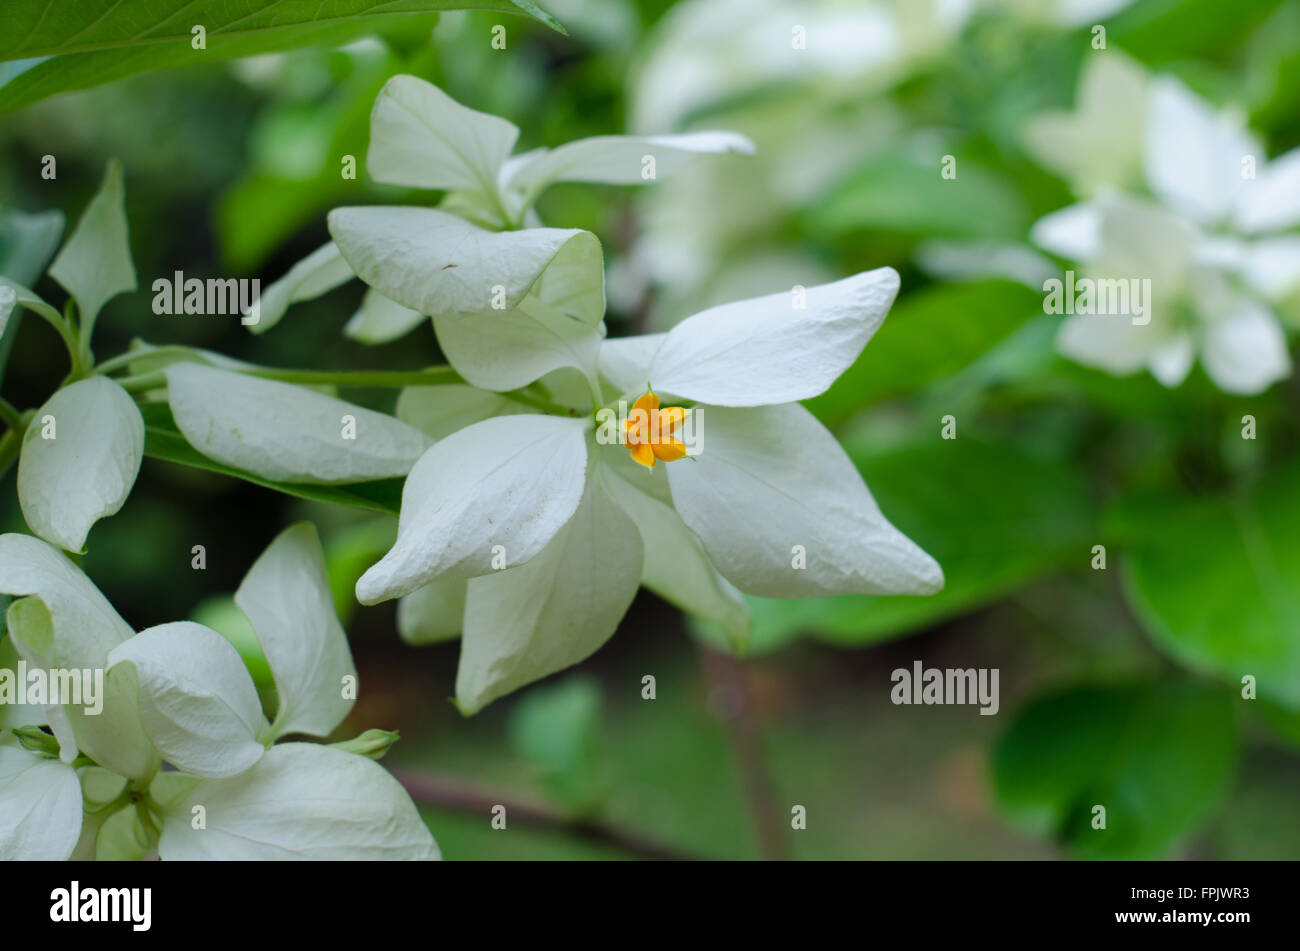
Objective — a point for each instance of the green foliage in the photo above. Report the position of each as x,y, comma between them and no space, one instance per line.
1157,757
125,39
557,728
1235,613
929,335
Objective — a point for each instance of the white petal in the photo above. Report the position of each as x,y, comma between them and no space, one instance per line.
771,478
1193,153
1143,239
40,807
1272,265
437,263
300,801
94,264
285,432
1099,143
380,320
84,473
316,274
1113,344
433,613
439,411
1172,361
512,349
676,566
86,627
527,622
625,361
197,700
1271,202
422,138
622,159
510,482
1073,233
286,597
774,349
82,629
1245,351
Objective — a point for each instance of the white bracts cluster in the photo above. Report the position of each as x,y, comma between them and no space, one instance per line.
180,694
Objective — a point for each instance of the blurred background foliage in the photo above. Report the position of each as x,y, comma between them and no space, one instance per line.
1119,686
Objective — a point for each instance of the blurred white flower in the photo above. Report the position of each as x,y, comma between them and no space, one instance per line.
1211,238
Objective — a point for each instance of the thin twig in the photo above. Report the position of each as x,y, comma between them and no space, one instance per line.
723,672
445,792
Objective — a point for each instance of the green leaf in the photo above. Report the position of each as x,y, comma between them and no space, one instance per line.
27,242
163,440
1008,518
557,728
894,192
928,336
95,263
99,41
1214,581
1158,757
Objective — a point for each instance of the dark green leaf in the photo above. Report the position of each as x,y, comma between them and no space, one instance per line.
97,41
1217,582
928,336
1158,758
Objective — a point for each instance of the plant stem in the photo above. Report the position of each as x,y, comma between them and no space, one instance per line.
433,789
433,376
11,443
430,377
723,673
10,414
123,359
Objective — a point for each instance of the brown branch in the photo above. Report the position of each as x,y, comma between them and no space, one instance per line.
723,672
445,792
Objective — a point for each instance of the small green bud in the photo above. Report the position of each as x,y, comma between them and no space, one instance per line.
372,743
35,740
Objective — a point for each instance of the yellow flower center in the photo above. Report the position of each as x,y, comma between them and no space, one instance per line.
649,432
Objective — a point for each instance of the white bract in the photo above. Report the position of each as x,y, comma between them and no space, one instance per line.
485,234
285,432
1216,238
179,693
544,530
82,450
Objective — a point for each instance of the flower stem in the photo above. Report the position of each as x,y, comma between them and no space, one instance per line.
444,792
10,414
432,376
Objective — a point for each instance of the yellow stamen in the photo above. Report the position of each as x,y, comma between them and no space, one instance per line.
649,431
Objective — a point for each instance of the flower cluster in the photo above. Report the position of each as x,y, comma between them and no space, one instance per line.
180,760
1182,195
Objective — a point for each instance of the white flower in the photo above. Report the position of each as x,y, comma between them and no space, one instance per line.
544,531
1208,242
180,693
422,138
